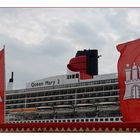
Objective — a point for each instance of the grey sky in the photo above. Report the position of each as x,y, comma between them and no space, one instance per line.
40,41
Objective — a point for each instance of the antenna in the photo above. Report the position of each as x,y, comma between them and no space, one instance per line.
10,83
11,80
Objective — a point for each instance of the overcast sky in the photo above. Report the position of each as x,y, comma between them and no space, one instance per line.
40,41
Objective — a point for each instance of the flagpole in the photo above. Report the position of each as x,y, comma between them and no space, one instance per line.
4,70
4,87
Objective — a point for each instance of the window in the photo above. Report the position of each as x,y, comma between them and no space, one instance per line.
106,119
101,120
96,120
117,119
111,119
73,76
77,75
8,107
68,77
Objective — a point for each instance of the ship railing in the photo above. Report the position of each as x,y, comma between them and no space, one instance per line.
71,120
78,99
106,92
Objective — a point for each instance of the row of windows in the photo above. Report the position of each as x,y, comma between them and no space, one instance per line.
61,102
72,76
63,92
65,86
91,101
77,96
72,120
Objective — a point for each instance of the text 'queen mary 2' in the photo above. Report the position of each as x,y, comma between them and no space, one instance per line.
81,95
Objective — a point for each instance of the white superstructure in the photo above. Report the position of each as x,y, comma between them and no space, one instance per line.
72,99
54,81
81,95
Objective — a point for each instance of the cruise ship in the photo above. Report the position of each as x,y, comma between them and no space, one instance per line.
80,100
81,95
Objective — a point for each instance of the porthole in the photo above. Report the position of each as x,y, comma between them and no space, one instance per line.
106,119
111,119
82,120
116,119
101,120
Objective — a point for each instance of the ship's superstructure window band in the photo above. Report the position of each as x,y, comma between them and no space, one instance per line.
73,76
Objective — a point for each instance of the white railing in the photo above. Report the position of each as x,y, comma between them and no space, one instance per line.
99,119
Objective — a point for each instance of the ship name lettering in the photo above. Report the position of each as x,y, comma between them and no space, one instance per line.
36,84
50,83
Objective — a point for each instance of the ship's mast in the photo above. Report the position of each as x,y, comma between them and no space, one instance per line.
4,86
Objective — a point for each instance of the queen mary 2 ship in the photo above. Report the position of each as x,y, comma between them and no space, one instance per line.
79,96
78,100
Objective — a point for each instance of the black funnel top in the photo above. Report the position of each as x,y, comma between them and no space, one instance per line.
92,60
